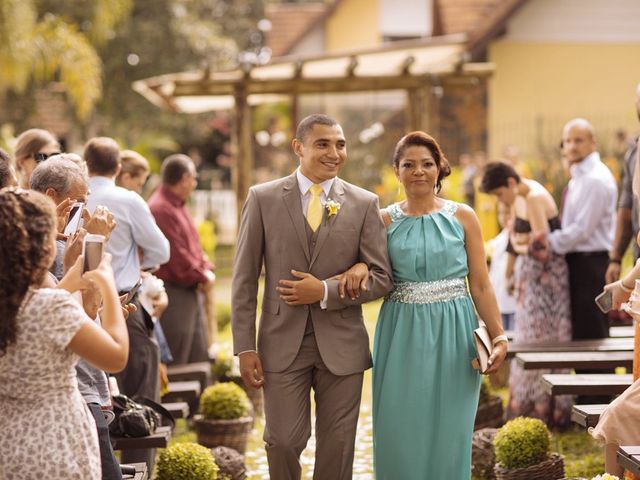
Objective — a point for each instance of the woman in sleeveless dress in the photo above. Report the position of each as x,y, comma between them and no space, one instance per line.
46,429
543,312
425,390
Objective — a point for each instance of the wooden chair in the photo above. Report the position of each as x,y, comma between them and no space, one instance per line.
629,459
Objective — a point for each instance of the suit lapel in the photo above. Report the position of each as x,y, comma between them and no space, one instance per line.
337,195
291,199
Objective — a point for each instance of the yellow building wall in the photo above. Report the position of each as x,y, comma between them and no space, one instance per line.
536,88
354,24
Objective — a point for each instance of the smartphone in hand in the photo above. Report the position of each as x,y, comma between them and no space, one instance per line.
604,301
75,215
92,250
131,293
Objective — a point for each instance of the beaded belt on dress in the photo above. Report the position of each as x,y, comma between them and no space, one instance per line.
428,292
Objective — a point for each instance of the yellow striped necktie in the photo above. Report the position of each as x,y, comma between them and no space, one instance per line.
314,209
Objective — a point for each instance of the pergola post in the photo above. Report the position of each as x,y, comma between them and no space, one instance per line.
418,108
243,168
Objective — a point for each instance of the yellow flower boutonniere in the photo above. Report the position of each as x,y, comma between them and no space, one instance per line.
332,207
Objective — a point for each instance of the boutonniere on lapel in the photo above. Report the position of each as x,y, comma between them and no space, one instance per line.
332,208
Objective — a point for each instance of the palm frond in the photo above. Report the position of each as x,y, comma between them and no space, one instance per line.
17,19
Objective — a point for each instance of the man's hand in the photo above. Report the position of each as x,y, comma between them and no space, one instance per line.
354,281
251,370
100,223
160,304
62,213
613,272
305,291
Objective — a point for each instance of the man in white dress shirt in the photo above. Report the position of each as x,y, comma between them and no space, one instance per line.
135,230
588,223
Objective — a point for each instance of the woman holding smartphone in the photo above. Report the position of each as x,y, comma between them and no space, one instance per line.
46,430
619,424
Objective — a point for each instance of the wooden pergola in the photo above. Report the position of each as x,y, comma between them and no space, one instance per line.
416,67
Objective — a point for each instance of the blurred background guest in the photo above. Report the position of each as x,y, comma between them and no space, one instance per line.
542,287
7,175
32,147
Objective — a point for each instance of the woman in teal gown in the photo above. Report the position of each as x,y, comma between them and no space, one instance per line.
425,390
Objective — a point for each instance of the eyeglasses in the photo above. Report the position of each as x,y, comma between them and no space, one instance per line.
41,157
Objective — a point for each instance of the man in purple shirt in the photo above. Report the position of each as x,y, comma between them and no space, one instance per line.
188,267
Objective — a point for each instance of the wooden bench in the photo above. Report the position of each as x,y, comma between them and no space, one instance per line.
141,472
586,384
629,458
200,371
622,331
159,439
188,391
595,345
587,415
575,360
177,409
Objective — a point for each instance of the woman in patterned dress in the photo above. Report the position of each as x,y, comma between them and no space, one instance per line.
541,286
46,429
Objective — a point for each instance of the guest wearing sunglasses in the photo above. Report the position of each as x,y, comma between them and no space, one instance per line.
32,147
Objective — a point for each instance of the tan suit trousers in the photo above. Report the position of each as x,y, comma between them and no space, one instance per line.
288,409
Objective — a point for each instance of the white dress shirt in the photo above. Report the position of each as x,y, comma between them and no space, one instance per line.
135,227
589,213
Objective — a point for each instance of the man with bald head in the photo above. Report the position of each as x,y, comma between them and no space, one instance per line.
627,222
588,222
188,268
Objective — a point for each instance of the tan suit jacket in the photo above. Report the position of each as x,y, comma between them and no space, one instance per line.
272,233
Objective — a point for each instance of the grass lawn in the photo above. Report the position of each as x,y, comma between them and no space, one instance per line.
583,456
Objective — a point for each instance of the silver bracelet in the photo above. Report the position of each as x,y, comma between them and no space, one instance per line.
500,338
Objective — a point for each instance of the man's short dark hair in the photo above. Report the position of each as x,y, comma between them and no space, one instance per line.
307,123
496,175
174,167
102,155
5,168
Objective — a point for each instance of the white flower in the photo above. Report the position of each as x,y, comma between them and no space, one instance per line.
332,207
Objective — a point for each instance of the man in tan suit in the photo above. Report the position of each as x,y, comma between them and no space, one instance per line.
306,229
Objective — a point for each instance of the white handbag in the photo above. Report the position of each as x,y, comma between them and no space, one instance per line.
484,348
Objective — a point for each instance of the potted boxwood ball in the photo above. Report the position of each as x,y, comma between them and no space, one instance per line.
522,452
186,461
224,417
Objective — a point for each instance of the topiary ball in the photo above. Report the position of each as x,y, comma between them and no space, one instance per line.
224,401
522,442
186,461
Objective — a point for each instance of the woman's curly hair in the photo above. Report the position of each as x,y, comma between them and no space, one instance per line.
27,223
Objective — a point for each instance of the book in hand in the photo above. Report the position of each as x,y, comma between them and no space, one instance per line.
484,348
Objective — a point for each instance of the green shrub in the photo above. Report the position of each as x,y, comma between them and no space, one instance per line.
221,368
223,315
224,401
186,461
522,442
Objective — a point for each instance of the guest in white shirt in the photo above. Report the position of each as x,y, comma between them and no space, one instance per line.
588,223
135,230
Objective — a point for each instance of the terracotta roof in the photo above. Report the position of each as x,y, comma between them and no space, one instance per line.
290,22
481,20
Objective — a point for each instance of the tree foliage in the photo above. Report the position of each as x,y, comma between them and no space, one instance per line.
40,43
